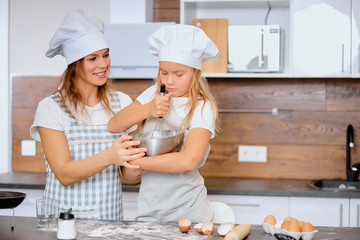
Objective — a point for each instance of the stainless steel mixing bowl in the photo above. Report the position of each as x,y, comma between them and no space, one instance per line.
160,142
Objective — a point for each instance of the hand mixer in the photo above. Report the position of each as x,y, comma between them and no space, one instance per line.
158,125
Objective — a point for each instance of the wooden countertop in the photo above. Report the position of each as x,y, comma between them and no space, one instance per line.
215,185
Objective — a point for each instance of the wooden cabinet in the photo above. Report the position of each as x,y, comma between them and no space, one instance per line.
354,213
321,211
321,38
355,39
254,209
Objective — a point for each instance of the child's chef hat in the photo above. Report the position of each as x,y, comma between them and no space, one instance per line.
184,44
80,34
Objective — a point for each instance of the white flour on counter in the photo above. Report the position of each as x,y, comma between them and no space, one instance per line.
92,229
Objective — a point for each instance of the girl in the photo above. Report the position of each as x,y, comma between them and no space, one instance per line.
172,186
81,157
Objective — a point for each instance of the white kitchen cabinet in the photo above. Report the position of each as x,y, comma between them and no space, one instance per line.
130,205
28,207
254,209
321,211
354,212
321,38
355,39
244,12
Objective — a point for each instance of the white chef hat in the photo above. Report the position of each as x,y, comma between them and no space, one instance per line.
184,44
80,34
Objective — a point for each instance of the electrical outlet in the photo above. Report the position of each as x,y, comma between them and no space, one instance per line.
28,148
252,153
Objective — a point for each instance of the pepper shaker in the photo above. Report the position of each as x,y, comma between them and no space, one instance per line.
66,226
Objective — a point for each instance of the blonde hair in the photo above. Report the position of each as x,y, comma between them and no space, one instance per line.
199,90
70,94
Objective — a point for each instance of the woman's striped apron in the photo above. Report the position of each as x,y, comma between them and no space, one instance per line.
98,197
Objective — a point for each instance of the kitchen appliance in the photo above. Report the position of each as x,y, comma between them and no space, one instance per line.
128,45
254,48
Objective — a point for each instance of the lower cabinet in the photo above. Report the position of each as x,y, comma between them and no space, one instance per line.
254,209
354,213
321,211
130,205
28,207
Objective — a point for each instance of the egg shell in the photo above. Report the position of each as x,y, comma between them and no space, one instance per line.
270,219
288,219
307,227
184,225
225,228
197,227
293,226
208,228
285,225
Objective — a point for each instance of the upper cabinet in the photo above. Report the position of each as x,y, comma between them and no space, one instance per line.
259,59
355,34
321,38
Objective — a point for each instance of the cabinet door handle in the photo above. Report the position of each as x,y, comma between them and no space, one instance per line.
342,58
358,216
245,205
261,57
341,215
359,58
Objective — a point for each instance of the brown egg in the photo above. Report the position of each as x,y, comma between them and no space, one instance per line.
288,219
208,228
307,227
294,226
285,225
301,223
197,227
184,225
271,220
225,228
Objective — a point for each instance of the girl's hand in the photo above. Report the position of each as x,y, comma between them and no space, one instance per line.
124,150
159,106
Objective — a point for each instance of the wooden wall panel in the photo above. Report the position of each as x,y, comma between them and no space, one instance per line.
290,127
343,96
303,142
294,94
166,11
283,161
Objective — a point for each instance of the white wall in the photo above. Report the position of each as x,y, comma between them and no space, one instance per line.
4,88
32,25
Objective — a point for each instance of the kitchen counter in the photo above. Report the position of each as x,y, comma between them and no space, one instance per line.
215,185
25,228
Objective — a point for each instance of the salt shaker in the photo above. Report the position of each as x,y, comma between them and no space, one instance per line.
66,226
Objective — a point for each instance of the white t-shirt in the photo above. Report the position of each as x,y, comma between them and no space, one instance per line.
203,116
50,115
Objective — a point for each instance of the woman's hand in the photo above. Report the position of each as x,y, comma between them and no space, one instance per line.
124,150
160,105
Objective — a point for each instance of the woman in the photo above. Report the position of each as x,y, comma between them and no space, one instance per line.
172,186
82,157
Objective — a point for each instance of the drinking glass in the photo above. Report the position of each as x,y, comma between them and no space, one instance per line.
46,212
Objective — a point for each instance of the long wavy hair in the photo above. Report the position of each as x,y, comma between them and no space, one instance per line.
199,90
71,95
